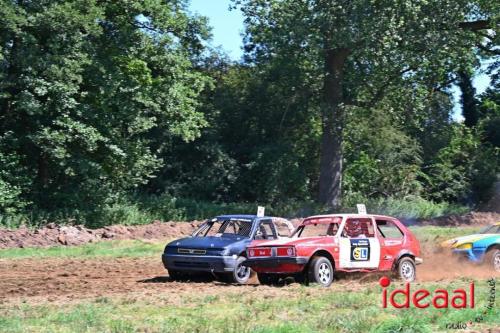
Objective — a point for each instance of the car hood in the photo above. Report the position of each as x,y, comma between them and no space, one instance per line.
457,241
206,242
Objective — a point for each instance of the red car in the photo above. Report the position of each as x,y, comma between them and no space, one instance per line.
323,244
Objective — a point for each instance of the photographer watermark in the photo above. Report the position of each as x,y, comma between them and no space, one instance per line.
459,298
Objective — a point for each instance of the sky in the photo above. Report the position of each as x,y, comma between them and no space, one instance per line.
227,30
227,25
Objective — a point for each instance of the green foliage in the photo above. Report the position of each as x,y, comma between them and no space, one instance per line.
463,168
111,112
90,91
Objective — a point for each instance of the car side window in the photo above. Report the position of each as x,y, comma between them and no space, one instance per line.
266,230
358,228
388,229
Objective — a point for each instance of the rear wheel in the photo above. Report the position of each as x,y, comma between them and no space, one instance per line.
268,278
406,269
492,259
321,271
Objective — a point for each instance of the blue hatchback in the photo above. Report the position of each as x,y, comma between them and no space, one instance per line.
218,247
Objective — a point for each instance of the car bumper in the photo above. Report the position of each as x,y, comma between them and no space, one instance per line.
275,261
475,254
199,263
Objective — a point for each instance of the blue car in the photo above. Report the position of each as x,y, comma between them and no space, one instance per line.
483,247
218,246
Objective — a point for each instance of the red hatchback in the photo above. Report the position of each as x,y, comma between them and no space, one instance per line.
323,244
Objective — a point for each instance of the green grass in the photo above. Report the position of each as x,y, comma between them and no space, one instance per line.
302,309
116,248
434,233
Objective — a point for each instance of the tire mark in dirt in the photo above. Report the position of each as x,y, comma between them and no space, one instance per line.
63,279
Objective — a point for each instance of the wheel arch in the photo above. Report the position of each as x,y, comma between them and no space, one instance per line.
401,255
494,246
322,253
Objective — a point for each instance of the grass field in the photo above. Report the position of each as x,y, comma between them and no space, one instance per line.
309,310
347,306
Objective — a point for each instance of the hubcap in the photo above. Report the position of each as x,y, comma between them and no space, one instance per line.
324,273
407,271
242,271
496,261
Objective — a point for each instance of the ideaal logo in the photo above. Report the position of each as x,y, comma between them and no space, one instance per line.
422,298
439,299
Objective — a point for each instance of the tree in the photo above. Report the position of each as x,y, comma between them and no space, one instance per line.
359,49
91,90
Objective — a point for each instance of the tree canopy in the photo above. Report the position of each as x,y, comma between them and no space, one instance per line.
105,103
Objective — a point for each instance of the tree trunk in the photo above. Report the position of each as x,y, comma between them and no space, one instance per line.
333,114
469,103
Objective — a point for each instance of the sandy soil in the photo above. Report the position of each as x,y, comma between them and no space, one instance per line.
64,280
53,235
67,281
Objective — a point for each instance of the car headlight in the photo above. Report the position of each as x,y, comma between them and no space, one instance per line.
466,246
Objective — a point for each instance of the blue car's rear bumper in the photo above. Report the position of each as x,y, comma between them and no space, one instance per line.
199,263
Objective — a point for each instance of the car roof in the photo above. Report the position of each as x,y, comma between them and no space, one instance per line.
240,216
350,215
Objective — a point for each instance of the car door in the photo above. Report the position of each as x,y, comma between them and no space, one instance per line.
391,239
358,245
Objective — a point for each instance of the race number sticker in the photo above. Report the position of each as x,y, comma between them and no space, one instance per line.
360,250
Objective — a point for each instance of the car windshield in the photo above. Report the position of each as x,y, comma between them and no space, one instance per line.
491,229
225,228
317,229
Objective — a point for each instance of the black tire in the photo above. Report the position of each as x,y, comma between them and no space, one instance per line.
268,279
406,269
492,259
240,274
321,271
178,275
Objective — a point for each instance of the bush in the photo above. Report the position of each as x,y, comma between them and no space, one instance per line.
142,210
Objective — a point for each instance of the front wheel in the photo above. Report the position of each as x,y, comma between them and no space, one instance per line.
406,269
240,274
321,271
492,259
177,275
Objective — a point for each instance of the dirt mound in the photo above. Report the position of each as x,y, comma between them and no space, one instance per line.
472,218
52,234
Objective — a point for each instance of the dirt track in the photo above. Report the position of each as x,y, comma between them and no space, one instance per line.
55,279
63,279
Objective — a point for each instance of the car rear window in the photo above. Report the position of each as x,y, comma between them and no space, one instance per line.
318,229
388,229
